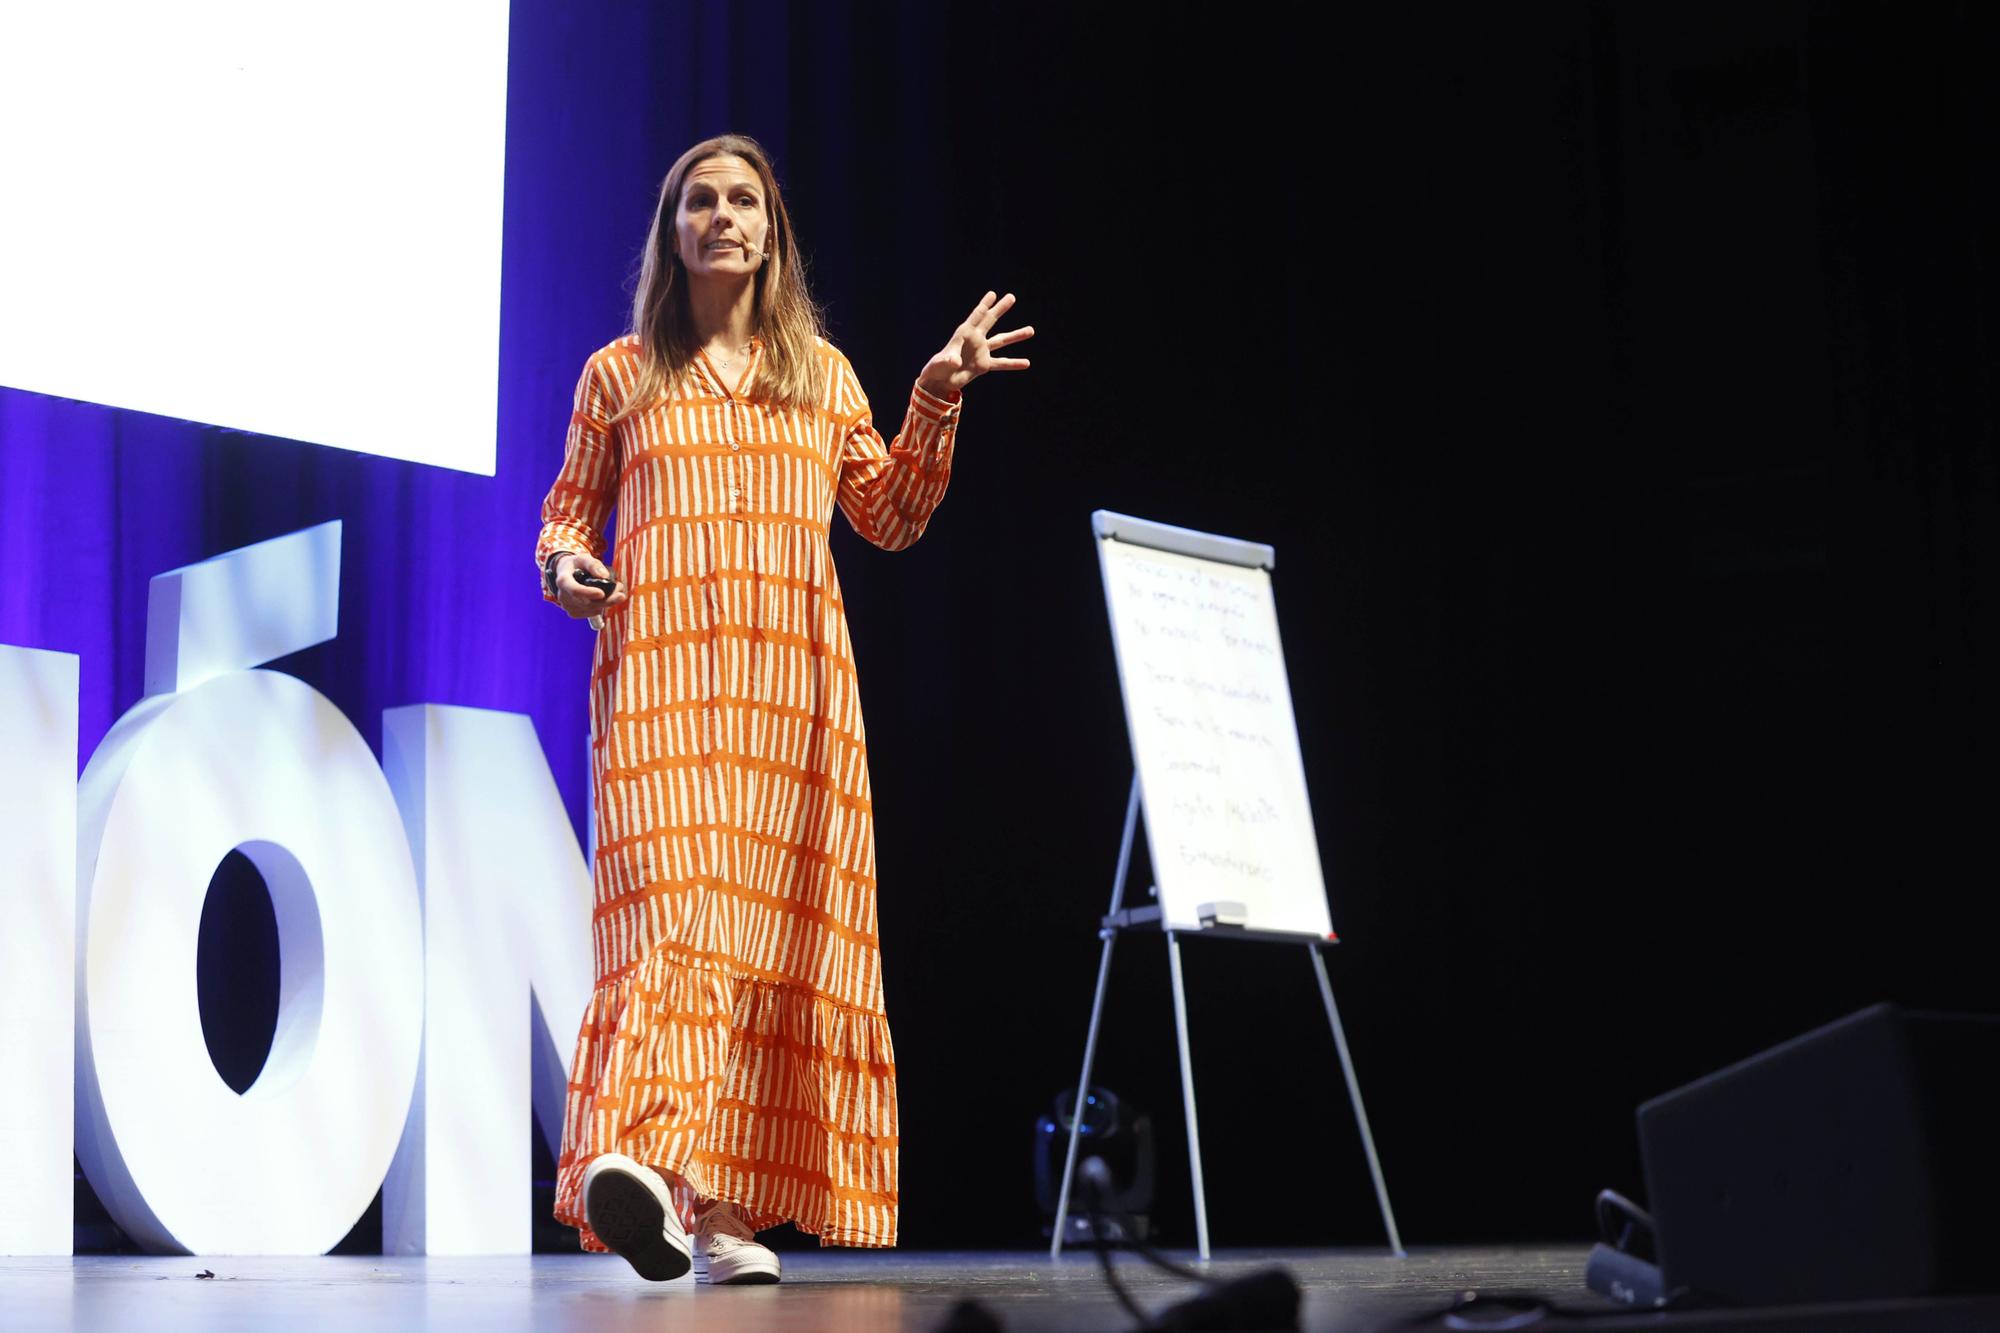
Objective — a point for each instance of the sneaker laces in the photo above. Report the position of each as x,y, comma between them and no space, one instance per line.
722,1219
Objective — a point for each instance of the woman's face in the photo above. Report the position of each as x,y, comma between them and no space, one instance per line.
722,211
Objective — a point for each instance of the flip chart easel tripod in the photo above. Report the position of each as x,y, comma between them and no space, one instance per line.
1148,918
1155,917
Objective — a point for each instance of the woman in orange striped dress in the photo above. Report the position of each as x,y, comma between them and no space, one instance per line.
734,1068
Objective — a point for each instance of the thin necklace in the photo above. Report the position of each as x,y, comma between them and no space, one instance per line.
729,362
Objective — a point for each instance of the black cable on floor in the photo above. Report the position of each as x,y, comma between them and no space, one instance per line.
1095,1177
1266,1299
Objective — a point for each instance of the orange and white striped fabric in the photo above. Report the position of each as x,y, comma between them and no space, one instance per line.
736,1038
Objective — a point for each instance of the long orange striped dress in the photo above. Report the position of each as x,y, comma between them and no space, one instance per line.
736,1037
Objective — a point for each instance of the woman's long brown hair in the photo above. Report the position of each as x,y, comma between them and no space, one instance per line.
790,373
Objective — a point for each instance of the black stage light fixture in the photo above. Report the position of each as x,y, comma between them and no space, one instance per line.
1113,1131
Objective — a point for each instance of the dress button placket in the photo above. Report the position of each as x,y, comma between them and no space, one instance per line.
736,449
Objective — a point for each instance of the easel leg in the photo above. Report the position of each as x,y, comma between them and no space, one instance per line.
1354,1094
1082,1092
1096,1015
1187,1096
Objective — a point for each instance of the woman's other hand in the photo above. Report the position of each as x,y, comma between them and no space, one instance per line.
968,354
578,600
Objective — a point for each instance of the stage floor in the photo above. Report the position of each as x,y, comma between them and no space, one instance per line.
1348,1291
823,1290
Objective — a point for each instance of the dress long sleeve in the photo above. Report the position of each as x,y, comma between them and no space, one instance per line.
578,505
889,492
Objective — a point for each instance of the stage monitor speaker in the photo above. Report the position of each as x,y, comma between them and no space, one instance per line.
1856,1162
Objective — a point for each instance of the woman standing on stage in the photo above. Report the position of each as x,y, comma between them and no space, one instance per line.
734,1069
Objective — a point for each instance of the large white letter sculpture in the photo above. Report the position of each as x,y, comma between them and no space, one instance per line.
38,693
467,997
222,757
478,985
506,903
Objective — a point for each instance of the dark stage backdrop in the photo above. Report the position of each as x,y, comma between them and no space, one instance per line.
1614,381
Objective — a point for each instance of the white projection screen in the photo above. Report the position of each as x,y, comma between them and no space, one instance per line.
278,217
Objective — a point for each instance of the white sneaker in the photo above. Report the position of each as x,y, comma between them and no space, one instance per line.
629,1208
726,1249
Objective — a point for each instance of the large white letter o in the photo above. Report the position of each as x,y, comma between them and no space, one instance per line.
258,762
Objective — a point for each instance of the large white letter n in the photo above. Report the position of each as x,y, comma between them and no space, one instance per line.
507,973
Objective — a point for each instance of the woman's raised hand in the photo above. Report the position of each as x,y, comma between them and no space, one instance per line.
968,353
578,600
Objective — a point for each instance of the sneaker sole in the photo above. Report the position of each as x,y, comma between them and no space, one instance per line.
753,1274
628,1217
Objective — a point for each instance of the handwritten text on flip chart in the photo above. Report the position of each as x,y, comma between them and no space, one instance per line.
1211,718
